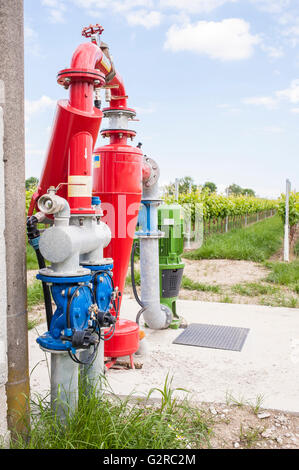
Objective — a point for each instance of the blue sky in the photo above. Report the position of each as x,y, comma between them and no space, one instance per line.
215,82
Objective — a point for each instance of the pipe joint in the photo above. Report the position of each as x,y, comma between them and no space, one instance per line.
55,205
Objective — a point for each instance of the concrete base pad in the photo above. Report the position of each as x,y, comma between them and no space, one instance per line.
267,366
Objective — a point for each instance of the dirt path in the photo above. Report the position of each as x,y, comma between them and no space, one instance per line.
224,271
242,426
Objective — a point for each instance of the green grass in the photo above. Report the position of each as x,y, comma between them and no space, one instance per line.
110,422
250,436
226,299
279,301
296,249
286,274
35,294
137,279
32,324
253,289
191,285
255,243
31,258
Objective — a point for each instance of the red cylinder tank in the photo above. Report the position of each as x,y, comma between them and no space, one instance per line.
117,180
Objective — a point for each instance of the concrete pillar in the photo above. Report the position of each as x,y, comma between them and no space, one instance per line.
12,76
3,301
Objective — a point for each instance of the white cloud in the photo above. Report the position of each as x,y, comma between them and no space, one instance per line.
291,94
229,39
272,6
144,18
136,12
37,106
115,5
273,52
229,109
292,33
56,10
29,33
266,101
273,129
195,6
31,41
151,108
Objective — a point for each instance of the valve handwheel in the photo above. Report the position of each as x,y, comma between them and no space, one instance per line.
88,31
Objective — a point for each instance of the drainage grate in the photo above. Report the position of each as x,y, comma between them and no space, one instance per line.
213,336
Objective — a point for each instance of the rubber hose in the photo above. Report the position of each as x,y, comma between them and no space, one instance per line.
133,277
46,290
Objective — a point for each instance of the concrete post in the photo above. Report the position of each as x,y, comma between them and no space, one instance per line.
12,77
177,184
286,244
3,300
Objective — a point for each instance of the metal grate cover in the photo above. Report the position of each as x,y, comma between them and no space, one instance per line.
213,336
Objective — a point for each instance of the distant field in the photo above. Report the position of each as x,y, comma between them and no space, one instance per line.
254,243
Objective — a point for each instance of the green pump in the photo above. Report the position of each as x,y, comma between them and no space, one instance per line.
171,247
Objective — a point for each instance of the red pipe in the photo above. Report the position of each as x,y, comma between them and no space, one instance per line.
90,56
87,56
120,91
76,126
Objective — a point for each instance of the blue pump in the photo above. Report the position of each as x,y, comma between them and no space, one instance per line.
83,306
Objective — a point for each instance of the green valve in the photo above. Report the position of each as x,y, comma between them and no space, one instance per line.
171,246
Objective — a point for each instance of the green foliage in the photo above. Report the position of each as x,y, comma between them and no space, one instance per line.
215,205
184,186
234,189
192,285
256,243
253,289
248,192
31,183
35,294
137,278
293,208
211,186
29,194
31,258
286,274
111,422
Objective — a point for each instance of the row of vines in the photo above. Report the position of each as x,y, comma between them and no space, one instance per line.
212,213
214,206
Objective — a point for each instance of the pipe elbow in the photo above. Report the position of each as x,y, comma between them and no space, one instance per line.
87,56
157,317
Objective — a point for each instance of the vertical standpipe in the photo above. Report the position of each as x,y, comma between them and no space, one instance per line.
155,315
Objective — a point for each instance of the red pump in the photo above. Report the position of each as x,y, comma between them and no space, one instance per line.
118,168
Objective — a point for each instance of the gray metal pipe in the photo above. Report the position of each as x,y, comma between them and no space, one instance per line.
92,375
64,384
12,76
155,315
